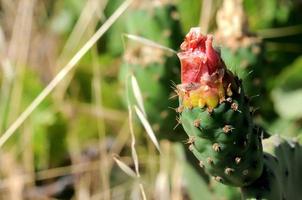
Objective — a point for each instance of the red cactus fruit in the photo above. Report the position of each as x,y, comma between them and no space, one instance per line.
202,71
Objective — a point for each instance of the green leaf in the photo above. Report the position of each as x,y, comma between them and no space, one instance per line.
196,186
287,96
288,104
189,11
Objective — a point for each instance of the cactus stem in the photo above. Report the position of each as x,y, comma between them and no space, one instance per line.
239,90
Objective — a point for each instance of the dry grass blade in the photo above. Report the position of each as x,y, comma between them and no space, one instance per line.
141,187
280,32
125,168
137,94
147,127
148,42
205,15
133,151
60,76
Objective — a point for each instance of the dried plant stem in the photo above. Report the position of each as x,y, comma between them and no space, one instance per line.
81,31
65,70
205,15
97,91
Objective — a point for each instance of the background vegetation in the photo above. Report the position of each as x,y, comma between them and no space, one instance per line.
104,111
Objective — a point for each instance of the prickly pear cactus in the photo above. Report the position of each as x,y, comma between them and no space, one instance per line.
241,50
215,114
154,68
282,175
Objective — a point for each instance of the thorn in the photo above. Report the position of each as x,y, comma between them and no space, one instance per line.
191,140
228,171
216,147
173,96
250,72
255,96
178,120
178,123
227,128
237,160
196,123
191,147
210,161
217,178
174,85
175,109
239,90
234,106
245,172
179,109
201,164
229,90
221,100
210,110
229,99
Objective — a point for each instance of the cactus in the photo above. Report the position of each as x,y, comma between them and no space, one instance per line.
241,50
215,113
281,176
153,67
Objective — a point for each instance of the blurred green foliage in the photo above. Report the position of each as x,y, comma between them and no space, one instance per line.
63,127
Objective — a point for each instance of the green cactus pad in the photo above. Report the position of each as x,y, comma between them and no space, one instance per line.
282,176
225,141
